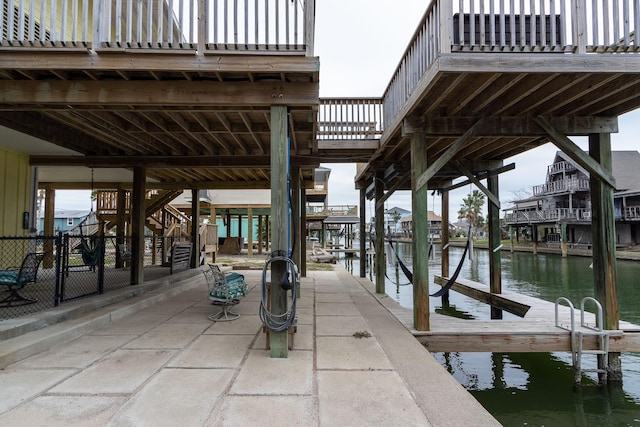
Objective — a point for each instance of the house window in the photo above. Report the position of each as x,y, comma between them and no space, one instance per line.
69,222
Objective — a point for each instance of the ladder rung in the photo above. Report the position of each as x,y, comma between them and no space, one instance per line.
594,352
602,371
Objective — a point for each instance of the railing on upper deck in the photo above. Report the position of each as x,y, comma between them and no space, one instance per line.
511,26
208,26
350,119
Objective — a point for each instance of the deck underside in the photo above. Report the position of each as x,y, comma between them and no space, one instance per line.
493,100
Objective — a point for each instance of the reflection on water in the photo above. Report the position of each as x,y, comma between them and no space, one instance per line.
530,388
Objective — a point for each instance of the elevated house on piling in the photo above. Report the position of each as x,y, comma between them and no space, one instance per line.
559,211
224,94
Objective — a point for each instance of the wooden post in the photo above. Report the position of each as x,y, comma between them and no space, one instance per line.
310,24
534,239
279,209
495,272
420,232
137,225
380,265
195,228
49,226
444,241
260,234
250,232
511,238
604,245
121,201
296,256
303,232
363,225
563,239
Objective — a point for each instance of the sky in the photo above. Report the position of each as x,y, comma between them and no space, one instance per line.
360,43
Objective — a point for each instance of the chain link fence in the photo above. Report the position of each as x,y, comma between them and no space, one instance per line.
68,267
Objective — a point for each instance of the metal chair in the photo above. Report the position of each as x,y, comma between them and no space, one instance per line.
225,290
15,278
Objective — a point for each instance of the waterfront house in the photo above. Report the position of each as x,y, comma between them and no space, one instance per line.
564,200
434,221
65,220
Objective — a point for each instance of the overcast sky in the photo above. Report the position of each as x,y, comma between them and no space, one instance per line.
360,43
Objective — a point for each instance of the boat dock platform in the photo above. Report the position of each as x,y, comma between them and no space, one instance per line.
536,331
156,359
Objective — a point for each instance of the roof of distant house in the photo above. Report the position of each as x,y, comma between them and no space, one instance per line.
64,213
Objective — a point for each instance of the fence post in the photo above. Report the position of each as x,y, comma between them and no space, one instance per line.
579,24
446,18
59,251
102,246
309,25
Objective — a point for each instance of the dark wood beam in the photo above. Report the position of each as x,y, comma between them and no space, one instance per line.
575,153
222,161
510,126
176,93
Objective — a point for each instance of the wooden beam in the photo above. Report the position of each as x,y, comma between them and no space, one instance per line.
480,175
348,144
278,342
490,195
53,59
575,153
420,234
137,225
448,155
171,162
380,263
513,126
495,269
149,93
399,183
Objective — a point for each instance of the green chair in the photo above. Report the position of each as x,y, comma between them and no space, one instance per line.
225,290
16,278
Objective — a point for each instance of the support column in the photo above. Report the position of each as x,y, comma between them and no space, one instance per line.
604,246
534,239
121,200
250,232
380,265
303,233
495,270
563,239
195,228
420,233
296,256
363,225
137,225
511,238
444,241
279,239
260,234
49,226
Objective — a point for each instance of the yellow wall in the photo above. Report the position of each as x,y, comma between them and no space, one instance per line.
15,189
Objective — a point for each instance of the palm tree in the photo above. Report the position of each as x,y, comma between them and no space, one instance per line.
471,209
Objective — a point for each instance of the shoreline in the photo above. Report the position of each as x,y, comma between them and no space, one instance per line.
621,254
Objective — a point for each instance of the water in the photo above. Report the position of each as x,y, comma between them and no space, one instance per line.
532,389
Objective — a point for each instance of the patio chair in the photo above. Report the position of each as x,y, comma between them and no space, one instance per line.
15,278
225,290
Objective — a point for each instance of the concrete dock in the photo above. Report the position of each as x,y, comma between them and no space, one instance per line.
155,359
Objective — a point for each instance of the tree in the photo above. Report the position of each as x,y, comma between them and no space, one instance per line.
471,210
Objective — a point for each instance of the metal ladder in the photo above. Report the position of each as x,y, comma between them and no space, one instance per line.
577,339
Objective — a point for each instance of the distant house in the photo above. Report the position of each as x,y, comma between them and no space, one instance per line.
65,220
434,221
564,200
390,216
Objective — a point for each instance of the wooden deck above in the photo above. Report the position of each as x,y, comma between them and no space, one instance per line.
187,91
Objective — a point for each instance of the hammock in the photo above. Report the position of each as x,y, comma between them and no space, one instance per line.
90,248
452,279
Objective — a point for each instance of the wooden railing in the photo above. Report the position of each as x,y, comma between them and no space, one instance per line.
350,118
208,26
510,26
337,210
532,217
561,186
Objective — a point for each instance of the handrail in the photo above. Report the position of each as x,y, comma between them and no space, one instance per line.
350,118
512,27
208,26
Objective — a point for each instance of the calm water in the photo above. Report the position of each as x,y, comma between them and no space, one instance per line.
533,389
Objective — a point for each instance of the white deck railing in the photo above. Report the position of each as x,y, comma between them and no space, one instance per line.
350,119
511,26
209,26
